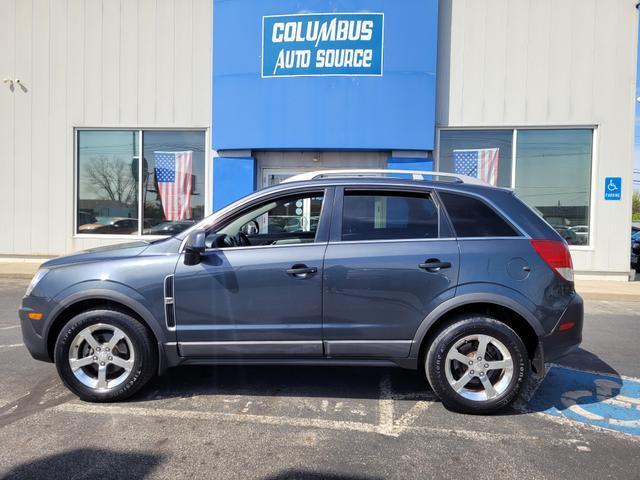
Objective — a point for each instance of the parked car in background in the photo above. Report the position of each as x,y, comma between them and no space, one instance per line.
111,225
454,278
635,250
170,228
568,234
582,234
85,218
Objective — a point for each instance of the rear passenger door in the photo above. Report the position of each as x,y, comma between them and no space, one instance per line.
391,259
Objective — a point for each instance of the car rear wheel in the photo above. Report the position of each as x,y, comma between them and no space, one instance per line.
105,355
477,365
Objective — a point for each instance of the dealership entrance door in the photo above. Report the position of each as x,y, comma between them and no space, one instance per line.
275,166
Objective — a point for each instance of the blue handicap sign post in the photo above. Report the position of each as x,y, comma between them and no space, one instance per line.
612,188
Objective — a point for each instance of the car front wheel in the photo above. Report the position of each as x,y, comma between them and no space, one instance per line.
477,365
105,355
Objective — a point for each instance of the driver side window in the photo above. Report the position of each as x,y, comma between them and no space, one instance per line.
287,220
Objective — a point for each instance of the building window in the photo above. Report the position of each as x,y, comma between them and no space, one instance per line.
551,170
553,175
117,187
485,154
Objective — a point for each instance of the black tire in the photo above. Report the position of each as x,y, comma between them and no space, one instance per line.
435,364
144,364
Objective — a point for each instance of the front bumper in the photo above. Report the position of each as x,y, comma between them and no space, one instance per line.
562,340
32,330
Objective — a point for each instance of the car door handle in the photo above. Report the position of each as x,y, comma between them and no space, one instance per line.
433,265
302,271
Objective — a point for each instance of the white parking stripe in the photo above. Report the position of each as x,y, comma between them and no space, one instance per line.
84,408
13,345
385,405
10,327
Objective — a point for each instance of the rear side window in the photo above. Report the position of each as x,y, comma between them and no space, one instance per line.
474,218
388,216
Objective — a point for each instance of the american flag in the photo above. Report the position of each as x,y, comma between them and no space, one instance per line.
173,174
481,163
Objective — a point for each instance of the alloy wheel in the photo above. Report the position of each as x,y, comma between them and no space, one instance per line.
101,356
479,367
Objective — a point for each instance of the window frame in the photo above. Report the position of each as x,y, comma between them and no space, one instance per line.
322,232
590,246
519,232
335,236
208,184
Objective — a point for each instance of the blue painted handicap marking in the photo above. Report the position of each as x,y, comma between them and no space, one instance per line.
597,399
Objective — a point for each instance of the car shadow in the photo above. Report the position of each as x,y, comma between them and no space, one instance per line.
309,475
573,374
283,381
87,463
579,380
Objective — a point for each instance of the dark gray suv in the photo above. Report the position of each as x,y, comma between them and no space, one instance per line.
433,272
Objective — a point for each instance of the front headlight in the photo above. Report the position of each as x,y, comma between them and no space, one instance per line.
40,274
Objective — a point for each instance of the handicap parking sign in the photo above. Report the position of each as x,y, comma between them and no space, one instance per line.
613,188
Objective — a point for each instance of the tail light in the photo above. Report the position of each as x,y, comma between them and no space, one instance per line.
556,255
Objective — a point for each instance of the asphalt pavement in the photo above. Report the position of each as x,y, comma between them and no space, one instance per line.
582,421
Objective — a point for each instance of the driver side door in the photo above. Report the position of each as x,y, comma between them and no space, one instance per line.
258,290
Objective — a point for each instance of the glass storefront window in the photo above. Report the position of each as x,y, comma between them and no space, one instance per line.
173,180
110,181
107,185
484,154
553,175
552,170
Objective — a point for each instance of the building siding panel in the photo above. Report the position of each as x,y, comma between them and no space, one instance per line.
23,146
7,124
40,185
93,63
569,63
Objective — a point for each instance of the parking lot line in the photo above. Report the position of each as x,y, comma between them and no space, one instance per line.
393,431
13,345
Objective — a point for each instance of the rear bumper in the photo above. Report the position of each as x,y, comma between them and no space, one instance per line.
566,335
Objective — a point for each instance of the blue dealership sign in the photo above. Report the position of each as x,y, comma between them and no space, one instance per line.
322,44
324,74
613,188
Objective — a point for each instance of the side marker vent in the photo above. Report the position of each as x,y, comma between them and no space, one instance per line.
169,306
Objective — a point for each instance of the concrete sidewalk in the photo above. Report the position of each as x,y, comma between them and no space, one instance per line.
609,290
589,289
19,267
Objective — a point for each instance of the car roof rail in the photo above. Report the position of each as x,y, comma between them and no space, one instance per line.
377,172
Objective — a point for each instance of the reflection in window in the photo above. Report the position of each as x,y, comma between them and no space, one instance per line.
483,154
107,184
553,175
387,217
173,180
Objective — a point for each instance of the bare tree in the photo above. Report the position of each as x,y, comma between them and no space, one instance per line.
112,179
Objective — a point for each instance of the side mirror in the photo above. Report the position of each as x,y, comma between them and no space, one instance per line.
194,247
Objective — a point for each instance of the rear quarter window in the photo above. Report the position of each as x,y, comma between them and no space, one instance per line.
474,218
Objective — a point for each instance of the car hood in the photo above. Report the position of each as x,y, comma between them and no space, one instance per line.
109,252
